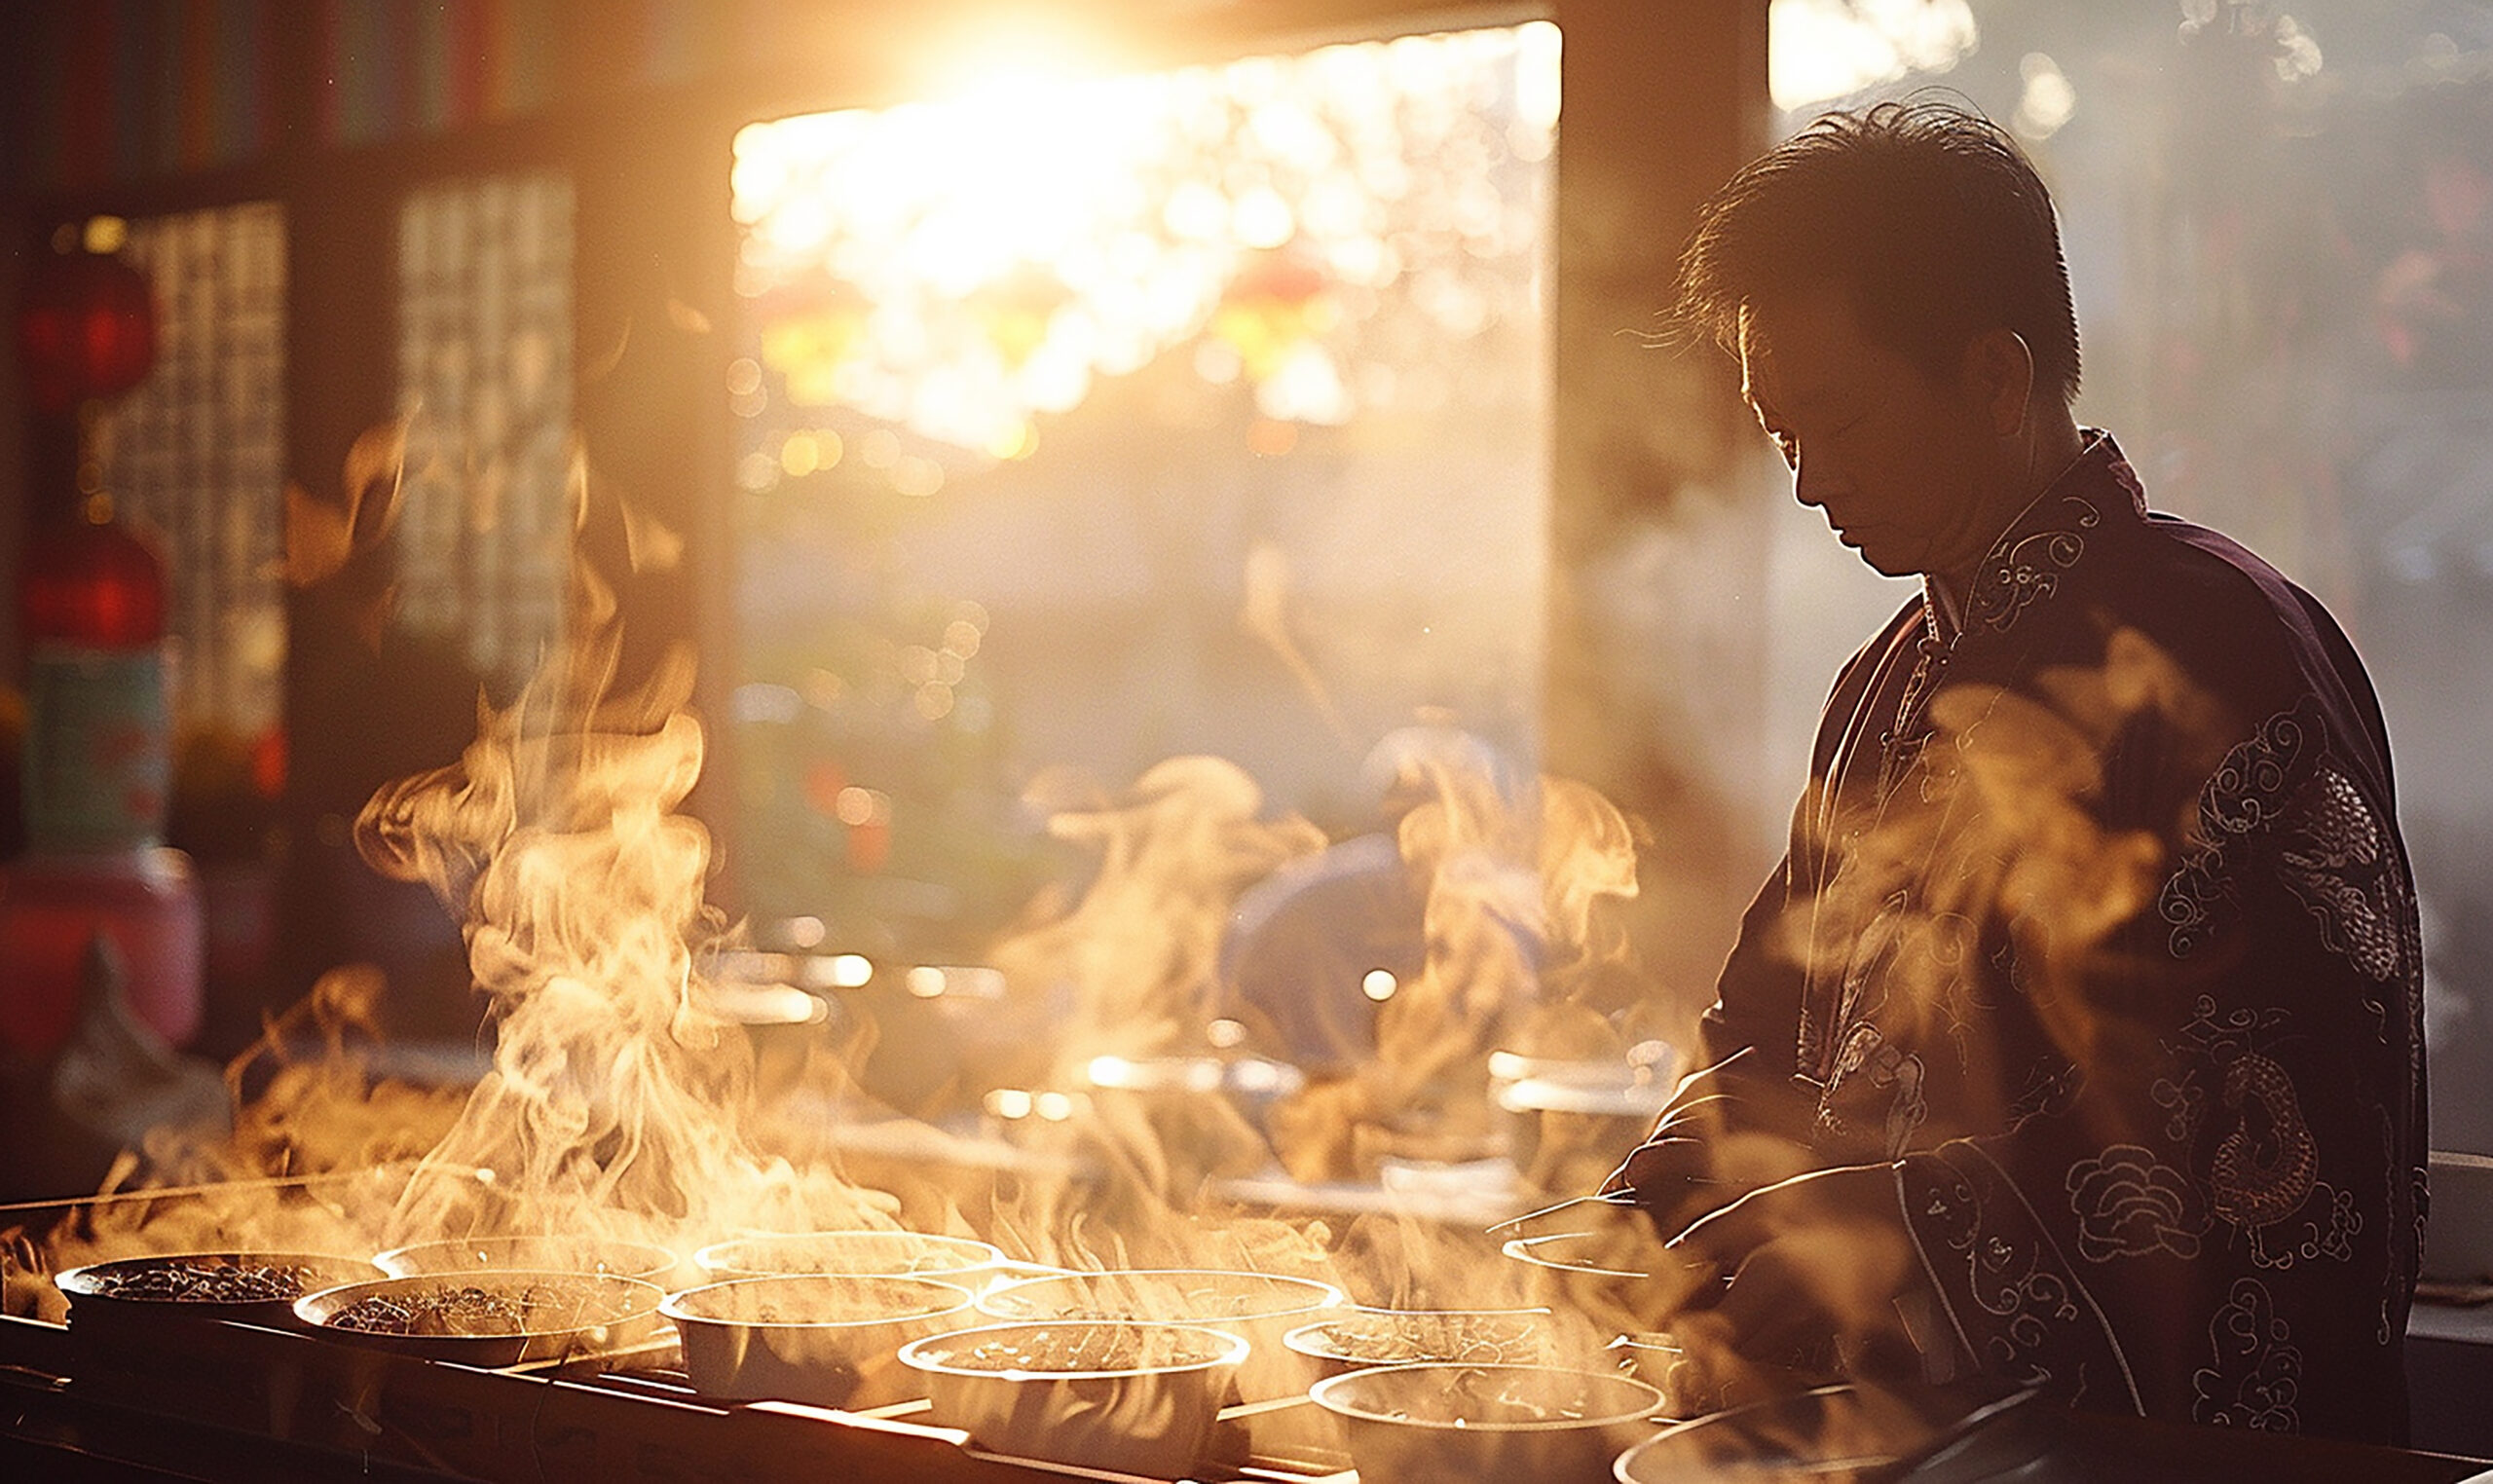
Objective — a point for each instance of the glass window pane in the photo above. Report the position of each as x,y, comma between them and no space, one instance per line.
485,369
198,451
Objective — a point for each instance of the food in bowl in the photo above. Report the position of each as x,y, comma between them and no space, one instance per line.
443,1310
489,1317
1259,1308
1407,1336
257,1287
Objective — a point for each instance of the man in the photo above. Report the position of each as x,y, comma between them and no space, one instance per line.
2077,1040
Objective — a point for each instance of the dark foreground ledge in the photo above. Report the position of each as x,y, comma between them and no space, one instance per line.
310,1411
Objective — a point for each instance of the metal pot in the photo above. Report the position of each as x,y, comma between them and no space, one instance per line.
253,1287
489,1317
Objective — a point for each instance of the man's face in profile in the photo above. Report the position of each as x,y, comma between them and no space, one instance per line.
1906,468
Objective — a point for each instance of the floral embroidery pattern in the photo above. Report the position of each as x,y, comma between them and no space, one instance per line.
2223,1037
2024,568
2128,1205
2336,1239
2186,1100
2014,1301
2247,795
2256,1377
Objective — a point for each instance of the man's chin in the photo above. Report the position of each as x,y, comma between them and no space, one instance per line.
1886,560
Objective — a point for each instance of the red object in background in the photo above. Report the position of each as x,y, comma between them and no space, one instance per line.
869,846
824,781
93,583
86,328
1276,277
268,760
97,769
97,761
147,901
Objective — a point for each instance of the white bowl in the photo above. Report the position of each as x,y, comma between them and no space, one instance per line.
821,1338
1429,1424
1108,1395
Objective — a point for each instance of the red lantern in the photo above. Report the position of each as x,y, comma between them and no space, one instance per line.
92,584
87,326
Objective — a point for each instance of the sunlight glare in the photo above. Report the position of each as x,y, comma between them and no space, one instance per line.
961,265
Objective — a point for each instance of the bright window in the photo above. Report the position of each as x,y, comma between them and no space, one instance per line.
1085,422
485,369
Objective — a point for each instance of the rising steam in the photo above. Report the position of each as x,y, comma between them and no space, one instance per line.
621,1096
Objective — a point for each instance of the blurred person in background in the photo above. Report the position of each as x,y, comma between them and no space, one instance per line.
1301,944
2077,1040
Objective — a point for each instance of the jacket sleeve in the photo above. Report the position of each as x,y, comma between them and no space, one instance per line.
2214,1211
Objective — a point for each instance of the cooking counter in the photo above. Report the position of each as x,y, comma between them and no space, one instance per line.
236,1402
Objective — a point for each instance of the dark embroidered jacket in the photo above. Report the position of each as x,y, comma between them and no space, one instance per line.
2096,925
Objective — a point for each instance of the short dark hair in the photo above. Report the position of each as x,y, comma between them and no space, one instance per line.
1926,212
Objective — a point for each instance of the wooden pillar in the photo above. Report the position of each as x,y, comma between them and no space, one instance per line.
655,318
340,380
1658,554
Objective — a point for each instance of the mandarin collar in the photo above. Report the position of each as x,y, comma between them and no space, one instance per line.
2048,538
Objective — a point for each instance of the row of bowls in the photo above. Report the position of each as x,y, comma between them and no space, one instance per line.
1120,1370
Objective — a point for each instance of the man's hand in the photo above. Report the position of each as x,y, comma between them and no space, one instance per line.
1809,1270
1677,1178
1603,1258
1605,1220
1721,1138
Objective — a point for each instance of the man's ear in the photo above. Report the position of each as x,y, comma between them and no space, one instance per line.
1999,375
